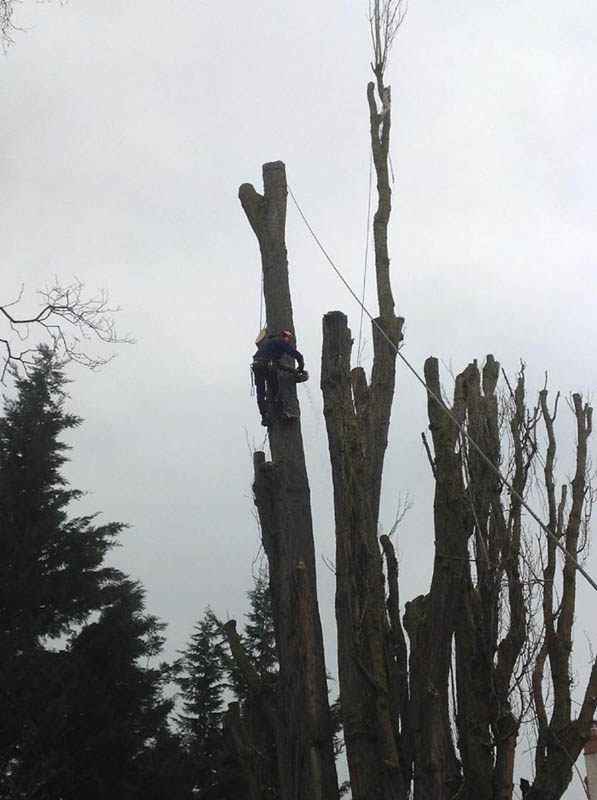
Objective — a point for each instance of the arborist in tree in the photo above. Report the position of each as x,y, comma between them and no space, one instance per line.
266,365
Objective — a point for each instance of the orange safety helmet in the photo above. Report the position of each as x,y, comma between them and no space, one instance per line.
288,335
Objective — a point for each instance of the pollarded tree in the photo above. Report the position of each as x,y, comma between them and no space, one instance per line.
477,617
434,702
371,655
298,705
282,499
396,694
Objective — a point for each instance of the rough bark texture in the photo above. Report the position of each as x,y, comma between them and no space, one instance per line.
440,712
436,767
251,738
304,736
464,621
369,726
476,623
371,656
561,738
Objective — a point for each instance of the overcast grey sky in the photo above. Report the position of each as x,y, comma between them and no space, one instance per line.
127,129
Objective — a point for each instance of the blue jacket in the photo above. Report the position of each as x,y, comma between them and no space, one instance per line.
273,347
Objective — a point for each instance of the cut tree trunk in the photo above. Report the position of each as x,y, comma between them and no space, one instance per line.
281,487
371,660
370,731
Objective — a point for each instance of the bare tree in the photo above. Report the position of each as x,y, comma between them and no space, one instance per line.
371,646
432,702
560,737
67,318
385,18
477,617
298,709
6,26
445,708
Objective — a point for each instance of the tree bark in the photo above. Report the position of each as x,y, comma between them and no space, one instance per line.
357,419
561,739
282,497
483,628
481,624
369,729
437,770
397,661
250,738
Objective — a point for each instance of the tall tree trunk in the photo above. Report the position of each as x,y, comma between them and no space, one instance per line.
357,420
561,739
482,628
432,624
369,732
283,502
465,619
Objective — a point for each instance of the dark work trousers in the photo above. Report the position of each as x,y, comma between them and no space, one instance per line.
267,384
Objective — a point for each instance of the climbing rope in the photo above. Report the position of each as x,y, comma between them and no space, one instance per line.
446,410
261,296
366,258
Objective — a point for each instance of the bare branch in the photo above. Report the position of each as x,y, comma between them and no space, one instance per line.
404,506
429,455
385,17
68,319
6,24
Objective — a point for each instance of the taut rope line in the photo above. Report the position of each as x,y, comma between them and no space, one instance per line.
442,405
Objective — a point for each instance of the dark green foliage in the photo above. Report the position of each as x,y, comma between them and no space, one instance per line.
253,724
164,770
114,706
51,567
259,637
258,640
229,750
202,681
81,712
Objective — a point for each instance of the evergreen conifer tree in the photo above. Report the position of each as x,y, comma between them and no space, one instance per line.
257,639
259,631
202,681
51,567
113,704
259,642
78,711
